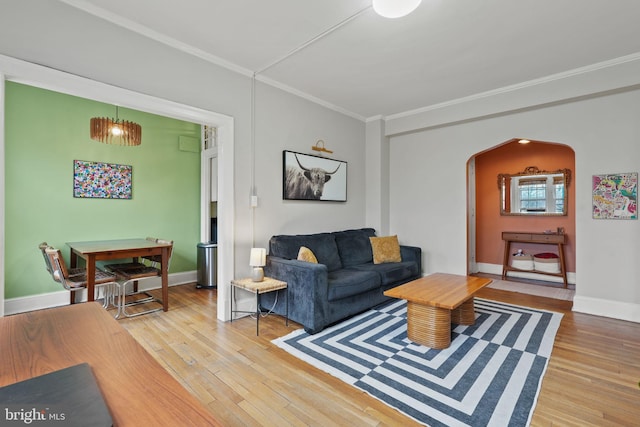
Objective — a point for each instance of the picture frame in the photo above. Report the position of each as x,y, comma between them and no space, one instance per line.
615,196
100,180
316,178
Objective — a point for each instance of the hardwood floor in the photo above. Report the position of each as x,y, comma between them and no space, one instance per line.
592,377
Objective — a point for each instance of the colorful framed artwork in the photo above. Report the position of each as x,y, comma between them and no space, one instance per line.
308,177
615,196
98,180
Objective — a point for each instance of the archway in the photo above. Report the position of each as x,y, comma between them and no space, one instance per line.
486,224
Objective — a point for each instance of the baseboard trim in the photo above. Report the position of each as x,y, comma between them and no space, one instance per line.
61,298
496,269
581,304
606,308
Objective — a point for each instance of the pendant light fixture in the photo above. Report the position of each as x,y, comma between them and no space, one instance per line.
395,8
115,131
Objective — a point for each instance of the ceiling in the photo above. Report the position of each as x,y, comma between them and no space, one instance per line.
343,55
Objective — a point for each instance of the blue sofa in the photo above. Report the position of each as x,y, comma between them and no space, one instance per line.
344,282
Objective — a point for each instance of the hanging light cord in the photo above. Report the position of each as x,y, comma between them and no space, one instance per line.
253,98
313,40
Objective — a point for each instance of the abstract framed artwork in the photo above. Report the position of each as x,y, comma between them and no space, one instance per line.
308,177
615,196
98,180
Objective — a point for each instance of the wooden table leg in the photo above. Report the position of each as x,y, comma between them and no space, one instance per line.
165,279
563,266
91,278
73,263
429,326
464,314
73,259
505,259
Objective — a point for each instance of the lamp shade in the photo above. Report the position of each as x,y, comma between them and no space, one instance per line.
115,131
395,8
258,257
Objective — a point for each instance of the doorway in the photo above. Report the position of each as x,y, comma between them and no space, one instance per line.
486,223
34,75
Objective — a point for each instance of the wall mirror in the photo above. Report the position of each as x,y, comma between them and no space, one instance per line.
534,192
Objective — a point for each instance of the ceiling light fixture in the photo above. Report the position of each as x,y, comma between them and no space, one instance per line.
395,8
524,141
115,131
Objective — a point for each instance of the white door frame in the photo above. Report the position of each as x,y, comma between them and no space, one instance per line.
15,70
472,262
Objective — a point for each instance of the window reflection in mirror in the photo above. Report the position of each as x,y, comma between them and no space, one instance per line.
534,192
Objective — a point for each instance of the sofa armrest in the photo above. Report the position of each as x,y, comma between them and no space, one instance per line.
412,253
307,287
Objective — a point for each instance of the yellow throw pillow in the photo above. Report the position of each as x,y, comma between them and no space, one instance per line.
385,249
306,254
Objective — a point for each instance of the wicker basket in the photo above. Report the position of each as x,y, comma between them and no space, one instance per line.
547,262
522,262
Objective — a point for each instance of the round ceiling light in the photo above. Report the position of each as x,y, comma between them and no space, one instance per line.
395,8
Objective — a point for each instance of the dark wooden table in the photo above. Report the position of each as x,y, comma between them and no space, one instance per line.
138,391
101,250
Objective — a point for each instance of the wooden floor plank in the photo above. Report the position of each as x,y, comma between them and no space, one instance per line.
591,380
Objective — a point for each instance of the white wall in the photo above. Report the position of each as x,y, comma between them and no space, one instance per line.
284,122
377,176
428,188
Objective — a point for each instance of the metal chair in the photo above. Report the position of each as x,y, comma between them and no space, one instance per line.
78,280
139,270
72,271
134,265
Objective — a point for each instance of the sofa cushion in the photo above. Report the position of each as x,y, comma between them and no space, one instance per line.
323,245
306,254
385,249
346,282
390,272
354,246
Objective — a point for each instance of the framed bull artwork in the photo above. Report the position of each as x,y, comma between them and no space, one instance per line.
307,177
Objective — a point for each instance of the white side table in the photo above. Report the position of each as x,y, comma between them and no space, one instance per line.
258,288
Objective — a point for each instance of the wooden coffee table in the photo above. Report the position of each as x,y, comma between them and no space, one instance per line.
436,301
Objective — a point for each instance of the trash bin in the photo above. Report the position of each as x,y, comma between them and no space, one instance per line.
207,260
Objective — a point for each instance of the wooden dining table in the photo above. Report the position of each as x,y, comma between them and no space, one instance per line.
104,250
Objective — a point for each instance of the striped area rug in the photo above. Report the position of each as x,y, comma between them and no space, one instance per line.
489,376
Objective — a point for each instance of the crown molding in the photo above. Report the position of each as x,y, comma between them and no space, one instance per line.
374,118
130,25
201,54
213,59
519,86
603,77
308,97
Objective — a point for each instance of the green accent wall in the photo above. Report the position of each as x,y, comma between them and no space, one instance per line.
45,132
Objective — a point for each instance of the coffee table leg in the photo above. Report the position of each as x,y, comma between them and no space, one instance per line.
429,326
464,314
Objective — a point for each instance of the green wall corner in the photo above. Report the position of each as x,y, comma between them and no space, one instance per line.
45,132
